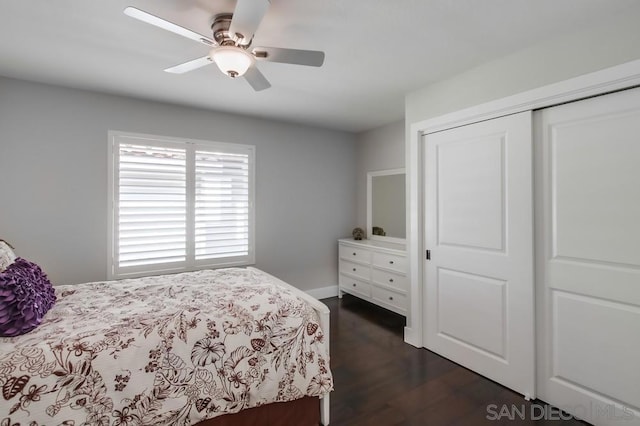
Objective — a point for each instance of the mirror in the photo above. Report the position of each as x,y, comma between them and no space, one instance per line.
386,200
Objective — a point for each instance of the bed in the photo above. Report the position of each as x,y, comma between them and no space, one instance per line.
184,349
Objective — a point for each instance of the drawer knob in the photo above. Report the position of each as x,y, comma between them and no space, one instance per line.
390,280
354,284
354,253
390,297
391,262
354,269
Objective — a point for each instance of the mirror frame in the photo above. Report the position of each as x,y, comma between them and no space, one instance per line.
370,176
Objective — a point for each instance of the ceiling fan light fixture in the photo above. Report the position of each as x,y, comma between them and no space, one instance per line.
232,61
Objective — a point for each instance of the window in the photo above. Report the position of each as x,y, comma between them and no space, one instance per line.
178,205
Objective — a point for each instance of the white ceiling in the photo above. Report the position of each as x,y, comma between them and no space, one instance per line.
376,50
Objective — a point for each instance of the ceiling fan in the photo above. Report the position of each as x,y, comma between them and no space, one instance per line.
231,43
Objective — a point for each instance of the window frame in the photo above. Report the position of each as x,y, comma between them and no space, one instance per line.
115,138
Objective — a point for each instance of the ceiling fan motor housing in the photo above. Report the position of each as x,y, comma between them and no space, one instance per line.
221,34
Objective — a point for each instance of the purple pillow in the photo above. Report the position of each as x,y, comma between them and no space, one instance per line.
25,296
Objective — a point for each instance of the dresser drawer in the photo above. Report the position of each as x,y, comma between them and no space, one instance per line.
390,298
353,285
390,279
390,261
355,254
351,268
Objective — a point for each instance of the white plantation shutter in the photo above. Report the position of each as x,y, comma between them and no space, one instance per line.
152,205
178,205
221,205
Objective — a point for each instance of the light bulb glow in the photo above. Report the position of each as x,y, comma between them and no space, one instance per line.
232,61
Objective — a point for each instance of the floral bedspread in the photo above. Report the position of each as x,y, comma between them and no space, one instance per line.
168,350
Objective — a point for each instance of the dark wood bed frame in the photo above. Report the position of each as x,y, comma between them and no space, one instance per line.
301,412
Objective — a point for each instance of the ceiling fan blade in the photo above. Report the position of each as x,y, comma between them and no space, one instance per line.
256,79
246,18
166,25
190,66
311,58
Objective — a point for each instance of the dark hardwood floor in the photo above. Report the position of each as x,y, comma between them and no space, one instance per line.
379,380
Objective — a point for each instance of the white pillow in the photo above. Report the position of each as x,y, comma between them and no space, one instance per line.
7,256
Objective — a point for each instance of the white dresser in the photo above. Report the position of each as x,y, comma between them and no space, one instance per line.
374,271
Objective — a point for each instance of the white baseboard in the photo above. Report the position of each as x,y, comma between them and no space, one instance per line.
324,292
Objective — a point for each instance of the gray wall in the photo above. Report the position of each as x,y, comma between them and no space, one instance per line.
613,42
381,148
53,174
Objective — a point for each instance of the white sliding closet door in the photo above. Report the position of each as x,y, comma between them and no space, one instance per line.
479,294
588,257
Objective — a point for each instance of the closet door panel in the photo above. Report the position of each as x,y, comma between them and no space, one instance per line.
471,204
478,228
585,348
588,253
594,165
482,300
